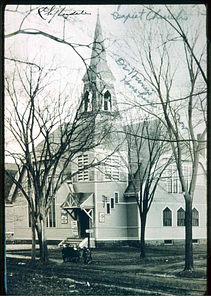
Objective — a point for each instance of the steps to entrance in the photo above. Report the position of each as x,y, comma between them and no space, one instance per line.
84,243
70,241
81,243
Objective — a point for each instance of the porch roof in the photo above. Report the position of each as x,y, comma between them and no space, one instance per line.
78,200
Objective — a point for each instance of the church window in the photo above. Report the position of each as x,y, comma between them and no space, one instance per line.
169,179
167,217
181,217
91,174
173,181
195,217
100,172
112,203
87,101
116,197
116,165
108,208
180,186
185,174
107,101
116,173
108,169
83,161
112,168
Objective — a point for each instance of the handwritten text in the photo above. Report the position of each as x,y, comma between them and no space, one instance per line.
148,16
132,78
48,14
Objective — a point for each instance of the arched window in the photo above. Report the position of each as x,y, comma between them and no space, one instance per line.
87,101
195,217
167,217
181,217
107,101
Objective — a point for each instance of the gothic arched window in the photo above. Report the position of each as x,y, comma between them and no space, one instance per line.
181,217
107,101
87,101
167,217
195,217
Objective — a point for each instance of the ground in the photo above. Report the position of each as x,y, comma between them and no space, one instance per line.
113,271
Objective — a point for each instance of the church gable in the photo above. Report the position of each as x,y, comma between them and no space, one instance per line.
78,200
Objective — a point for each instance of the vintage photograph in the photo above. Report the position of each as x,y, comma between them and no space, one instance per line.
105,150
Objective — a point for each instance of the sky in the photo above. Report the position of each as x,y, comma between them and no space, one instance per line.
127,30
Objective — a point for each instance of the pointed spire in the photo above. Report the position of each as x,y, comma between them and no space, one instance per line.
98,49
98,79
98,63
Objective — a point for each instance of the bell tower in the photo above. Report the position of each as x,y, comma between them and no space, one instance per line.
105,182
98,93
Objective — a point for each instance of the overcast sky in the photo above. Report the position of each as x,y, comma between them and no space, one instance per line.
121,25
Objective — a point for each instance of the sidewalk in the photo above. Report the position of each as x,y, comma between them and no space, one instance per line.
26,246
8,255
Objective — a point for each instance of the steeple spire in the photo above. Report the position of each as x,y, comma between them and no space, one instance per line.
99,92
98,62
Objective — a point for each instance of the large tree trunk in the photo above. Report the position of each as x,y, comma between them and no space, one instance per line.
143,226
41,233
188,234
33,221
33,252
44,249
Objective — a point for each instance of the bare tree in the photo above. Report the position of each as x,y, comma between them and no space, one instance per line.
50,130
182,110
50,133
147,162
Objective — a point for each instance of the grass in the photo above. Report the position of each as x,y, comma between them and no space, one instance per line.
114,271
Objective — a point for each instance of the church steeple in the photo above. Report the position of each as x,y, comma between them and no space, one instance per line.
98,63
99,93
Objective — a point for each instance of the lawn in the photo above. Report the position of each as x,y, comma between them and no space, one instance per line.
114,271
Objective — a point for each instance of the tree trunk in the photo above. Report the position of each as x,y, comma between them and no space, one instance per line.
188,234
143,226
33,252
44,252
39,234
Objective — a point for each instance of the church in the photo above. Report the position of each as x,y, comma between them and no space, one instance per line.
100,202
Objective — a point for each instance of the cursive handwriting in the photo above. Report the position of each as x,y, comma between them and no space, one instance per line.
139,94
48,14
148,15
134,77
178,118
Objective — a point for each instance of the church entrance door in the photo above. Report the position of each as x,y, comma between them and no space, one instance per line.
84,221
